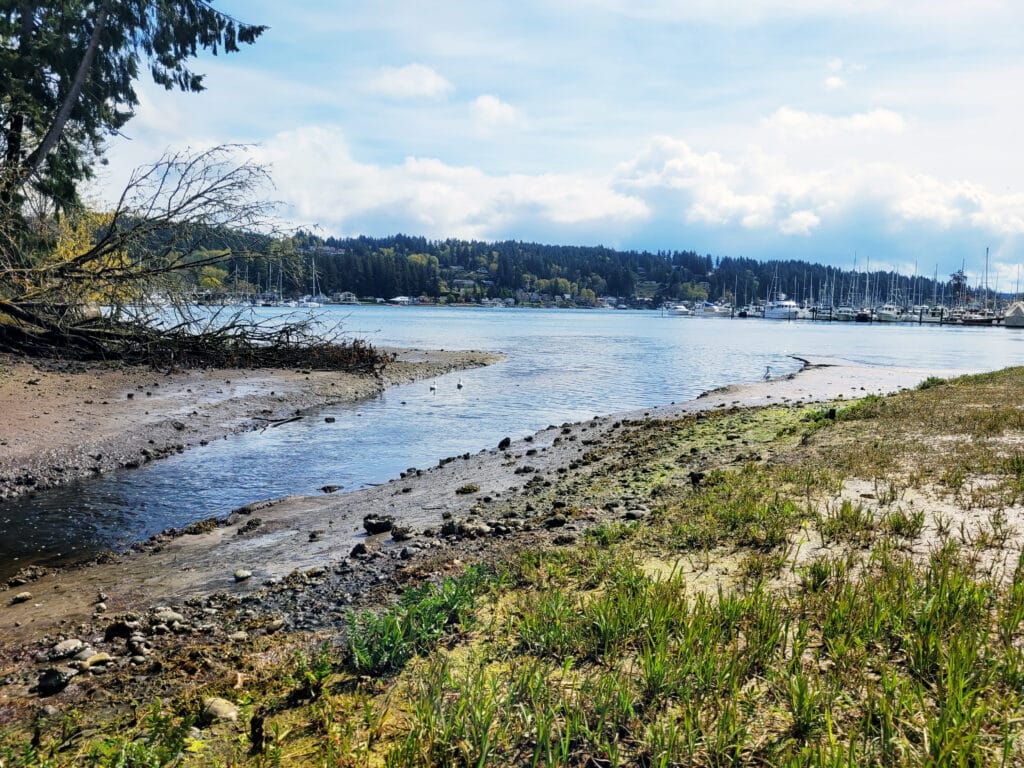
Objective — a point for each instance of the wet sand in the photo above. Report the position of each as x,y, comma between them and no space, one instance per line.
66,421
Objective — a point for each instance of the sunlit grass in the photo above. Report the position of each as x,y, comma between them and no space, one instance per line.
791,621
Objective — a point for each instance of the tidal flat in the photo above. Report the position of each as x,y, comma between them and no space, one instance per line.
815,581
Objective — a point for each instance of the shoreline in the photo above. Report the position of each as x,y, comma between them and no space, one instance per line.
67,421
320,541
752,507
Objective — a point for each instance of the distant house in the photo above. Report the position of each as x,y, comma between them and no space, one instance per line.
345,297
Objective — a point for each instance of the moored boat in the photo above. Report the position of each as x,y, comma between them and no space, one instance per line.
1014,317
783,309
888,313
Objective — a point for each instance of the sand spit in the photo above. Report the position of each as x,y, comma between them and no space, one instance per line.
63,421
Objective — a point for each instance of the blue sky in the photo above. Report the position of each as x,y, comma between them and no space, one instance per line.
829,131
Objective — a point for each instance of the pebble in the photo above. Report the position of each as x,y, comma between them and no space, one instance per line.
242,574
54,680
238,637
167,616
21,597
216,708
66,648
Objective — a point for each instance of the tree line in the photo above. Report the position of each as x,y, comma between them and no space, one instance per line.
461,270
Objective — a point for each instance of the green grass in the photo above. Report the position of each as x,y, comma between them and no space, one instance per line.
797,627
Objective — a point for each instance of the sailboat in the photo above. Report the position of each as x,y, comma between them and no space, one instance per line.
311,301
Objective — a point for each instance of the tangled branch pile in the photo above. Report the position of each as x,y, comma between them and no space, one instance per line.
117,285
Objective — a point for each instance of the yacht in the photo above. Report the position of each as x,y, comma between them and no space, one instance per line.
782,309
888,313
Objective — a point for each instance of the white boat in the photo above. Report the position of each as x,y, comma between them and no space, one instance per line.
678,310
887,313
1014,317
715,310
783,309
936,314
845,314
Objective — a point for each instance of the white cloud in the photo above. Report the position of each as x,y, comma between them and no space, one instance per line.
797,124
317,176
756,191
413,81
490,113
834,83
799,223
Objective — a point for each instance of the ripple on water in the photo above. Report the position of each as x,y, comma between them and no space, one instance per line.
560,366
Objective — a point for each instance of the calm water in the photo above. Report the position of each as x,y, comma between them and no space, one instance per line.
562,366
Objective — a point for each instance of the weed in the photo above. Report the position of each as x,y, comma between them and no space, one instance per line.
379,644
851,522
931,382
906,525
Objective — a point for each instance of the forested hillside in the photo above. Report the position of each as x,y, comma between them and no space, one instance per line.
461,270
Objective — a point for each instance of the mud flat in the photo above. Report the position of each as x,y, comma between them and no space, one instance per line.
63,421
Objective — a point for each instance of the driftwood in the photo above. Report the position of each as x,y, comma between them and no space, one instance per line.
183,339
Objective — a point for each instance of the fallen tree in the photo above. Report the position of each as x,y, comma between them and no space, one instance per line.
116,285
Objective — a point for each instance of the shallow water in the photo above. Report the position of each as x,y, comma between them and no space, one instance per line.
561,366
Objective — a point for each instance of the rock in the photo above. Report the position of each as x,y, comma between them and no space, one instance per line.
167,616
401,533
21,597
274,626
66,648
505,443
555,521
242,574
405,554
330,488
53,680
358,549
329,419
122,628
97,659
374,523
250,525
238,637
100,608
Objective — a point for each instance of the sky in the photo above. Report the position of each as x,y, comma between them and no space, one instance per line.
847,132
